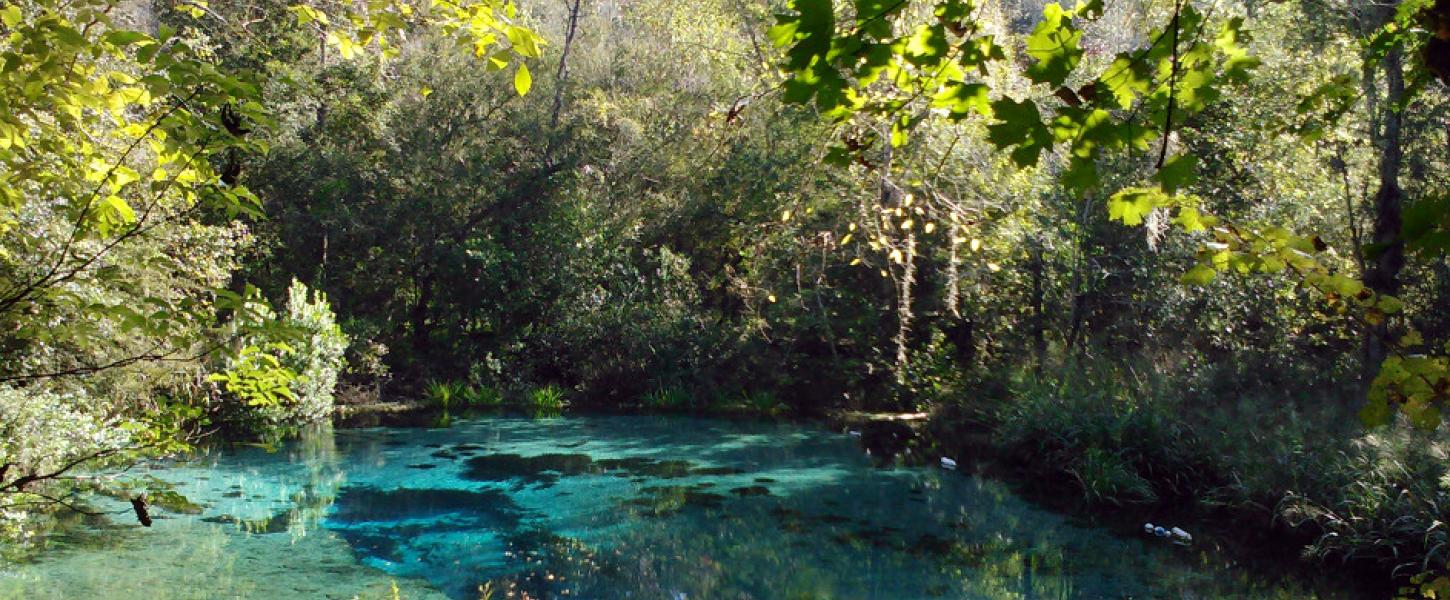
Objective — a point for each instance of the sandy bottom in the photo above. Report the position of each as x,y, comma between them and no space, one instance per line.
598,507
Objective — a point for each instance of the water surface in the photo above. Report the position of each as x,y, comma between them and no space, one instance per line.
598,507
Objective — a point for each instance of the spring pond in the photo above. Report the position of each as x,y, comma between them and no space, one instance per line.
597,507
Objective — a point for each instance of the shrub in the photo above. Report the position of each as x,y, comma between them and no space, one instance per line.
285,369
42,430
762,402
318,354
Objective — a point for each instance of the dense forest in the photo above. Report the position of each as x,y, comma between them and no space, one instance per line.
1140,253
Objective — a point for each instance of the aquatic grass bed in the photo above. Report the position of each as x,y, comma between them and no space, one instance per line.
603,507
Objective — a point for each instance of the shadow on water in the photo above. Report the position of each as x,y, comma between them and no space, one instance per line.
655,507
650,507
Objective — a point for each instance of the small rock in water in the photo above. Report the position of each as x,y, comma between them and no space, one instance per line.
948,464
1176,534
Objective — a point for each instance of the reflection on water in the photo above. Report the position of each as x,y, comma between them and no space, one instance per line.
597,507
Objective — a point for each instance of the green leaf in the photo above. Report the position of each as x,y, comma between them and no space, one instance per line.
962,99
1199,275
1190,220
125,38
783,33
1125,80
1081,175
1055,45
1131,205
873,16
928,46
11,16
814,26
1178,172
1375,413
976,53
1019,124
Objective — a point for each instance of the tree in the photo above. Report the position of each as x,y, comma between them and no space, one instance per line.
120,208
896,64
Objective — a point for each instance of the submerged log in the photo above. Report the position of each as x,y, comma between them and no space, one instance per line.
143,514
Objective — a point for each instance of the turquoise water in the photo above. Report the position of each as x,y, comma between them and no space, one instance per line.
597,507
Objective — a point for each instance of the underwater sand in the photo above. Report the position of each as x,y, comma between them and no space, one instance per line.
598,507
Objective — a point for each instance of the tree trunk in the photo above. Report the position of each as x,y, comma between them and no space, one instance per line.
420,316
560,78
1386,255
1039,306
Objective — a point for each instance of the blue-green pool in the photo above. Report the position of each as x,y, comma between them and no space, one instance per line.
599,507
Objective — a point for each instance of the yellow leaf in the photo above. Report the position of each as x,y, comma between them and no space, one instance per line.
930,227
976,245
994,267
522,80
771,298
784,216
846,240
907,224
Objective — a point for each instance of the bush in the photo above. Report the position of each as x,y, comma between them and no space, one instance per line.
319,356
762,402
43,429
295,357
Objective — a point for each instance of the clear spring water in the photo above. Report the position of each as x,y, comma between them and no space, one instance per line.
597,507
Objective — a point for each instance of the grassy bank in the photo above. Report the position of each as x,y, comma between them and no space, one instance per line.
1265,472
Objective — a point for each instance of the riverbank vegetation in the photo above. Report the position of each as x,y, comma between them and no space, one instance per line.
1163,255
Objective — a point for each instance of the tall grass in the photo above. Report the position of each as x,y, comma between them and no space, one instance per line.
482,396
547,398
666,398
442,393
1115,445
1384,501
1285,460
